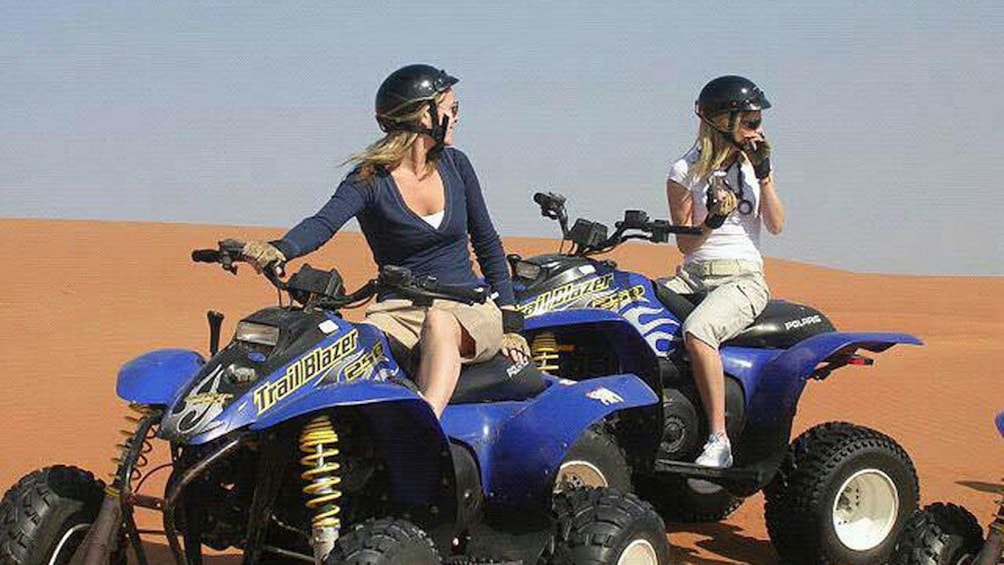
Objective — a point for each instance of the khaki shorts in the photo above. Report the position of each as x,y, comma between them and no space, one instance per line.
736,294
402,321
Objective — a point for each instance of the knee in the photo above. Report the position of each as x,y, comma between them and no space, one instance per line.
440,323
695,344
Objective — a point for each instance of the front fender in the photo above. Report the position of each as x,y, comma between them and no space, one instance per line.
524,459
404,432
784,376
156,377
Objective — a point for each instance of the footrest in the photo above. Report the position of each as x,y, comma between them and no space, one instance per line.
695,471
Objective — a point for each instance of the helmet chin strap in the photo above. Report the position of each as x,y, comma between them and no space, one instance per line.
727,134
437,132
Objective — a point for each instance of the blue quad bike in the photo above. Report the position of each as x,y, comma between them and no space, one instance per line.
839,493
303,441
948,534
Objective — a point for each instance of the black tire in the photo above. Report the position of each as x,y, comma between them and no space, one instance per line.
677,502
801,502
597,527
384,541
39,514
594,460
940,534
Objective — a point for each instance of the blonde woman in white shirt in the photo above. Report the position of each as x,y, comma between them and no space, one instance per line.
725,185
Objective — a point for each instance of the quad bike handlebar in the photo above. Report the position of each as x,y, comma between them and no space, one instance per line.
590,238
324,289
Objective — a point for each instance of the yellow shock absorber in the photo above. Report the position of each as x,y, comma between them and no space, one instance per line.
140,412
545,352
318,440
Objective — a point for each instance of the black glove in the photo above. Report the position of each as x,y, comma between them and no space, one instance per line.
720,208
759,155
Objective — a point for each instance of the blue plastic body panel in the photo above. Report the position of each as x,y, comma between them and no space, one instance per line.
782,378
520,445
1000,423
158,376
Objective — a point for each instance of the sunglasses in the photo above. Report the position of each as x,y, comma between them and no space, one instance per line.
752,124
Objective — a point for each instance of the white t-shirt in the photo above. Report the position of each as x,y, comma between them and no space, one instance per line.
739,236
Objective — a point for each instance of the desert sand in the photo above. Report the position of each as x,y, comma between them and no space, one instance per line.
81,298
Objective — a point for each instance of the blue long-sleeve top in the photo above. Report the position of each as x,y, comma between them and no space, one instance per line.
398,236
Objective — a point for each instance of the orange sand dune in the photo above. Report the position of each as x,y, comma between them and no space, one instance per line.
81,298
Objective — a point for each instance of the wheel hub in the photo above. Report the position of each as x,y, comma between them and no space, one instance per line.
578,474
865,509
639,552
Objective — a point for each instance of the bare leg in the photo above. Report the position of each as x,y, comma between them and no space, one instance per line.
710,380
439,368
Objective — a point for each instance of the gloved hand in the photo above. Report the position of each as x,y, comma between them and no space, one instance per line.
721,203
261,254
758,152
515,347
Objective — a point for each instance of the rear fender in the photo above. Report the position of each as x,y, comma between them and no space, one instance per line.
158,376
521,464
784,376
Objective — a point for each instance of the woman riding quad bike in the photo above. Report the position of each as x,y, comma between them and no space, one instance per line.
838,493
304,439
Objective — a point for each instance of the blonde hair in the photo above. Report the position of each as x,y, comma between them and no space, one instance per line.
713,148
393,147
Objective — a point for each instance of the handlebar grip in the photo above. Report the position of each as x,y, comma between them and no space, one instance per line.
548,199
206,256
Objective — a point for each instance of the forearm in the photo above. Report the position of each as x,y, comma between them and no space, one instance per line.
688,243
771,207
491,258
316,230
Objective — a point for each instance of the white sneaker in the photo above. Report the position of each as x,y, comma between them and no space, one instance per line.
717,453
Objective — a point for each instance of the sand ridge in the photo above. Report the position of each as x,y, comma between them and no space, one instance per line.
80,298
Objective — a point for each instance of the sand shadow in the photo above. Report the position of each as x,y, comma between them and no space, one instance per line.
158,553
990,488
725,541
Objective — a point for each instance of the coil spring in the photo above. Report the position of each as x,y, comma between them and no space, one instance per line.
141,412
546,353
318,440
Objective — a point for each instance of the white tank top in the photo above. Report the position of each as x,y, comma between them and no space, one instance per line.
739,236
435,219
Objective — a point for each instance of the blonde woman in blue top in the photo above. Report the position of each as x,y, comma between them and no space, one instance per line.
419,204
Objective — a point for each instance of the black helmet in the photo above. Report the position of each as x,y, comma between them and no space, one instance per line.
405,88
730,94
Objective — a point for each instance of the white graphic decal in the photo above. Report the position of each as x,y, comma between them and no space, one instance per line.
606,396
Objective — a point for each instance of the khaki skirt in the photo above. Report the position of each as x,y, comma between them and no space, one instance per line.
402,321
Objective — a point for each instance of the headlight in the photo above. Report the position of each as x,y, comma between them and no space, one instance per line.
527,270
257,333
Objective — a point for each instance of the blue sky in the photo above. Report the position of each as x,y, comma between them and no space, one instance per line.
886,119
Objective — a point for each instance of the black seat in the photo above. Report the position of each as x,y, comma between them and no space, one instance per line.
498,380
780,325
490,381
